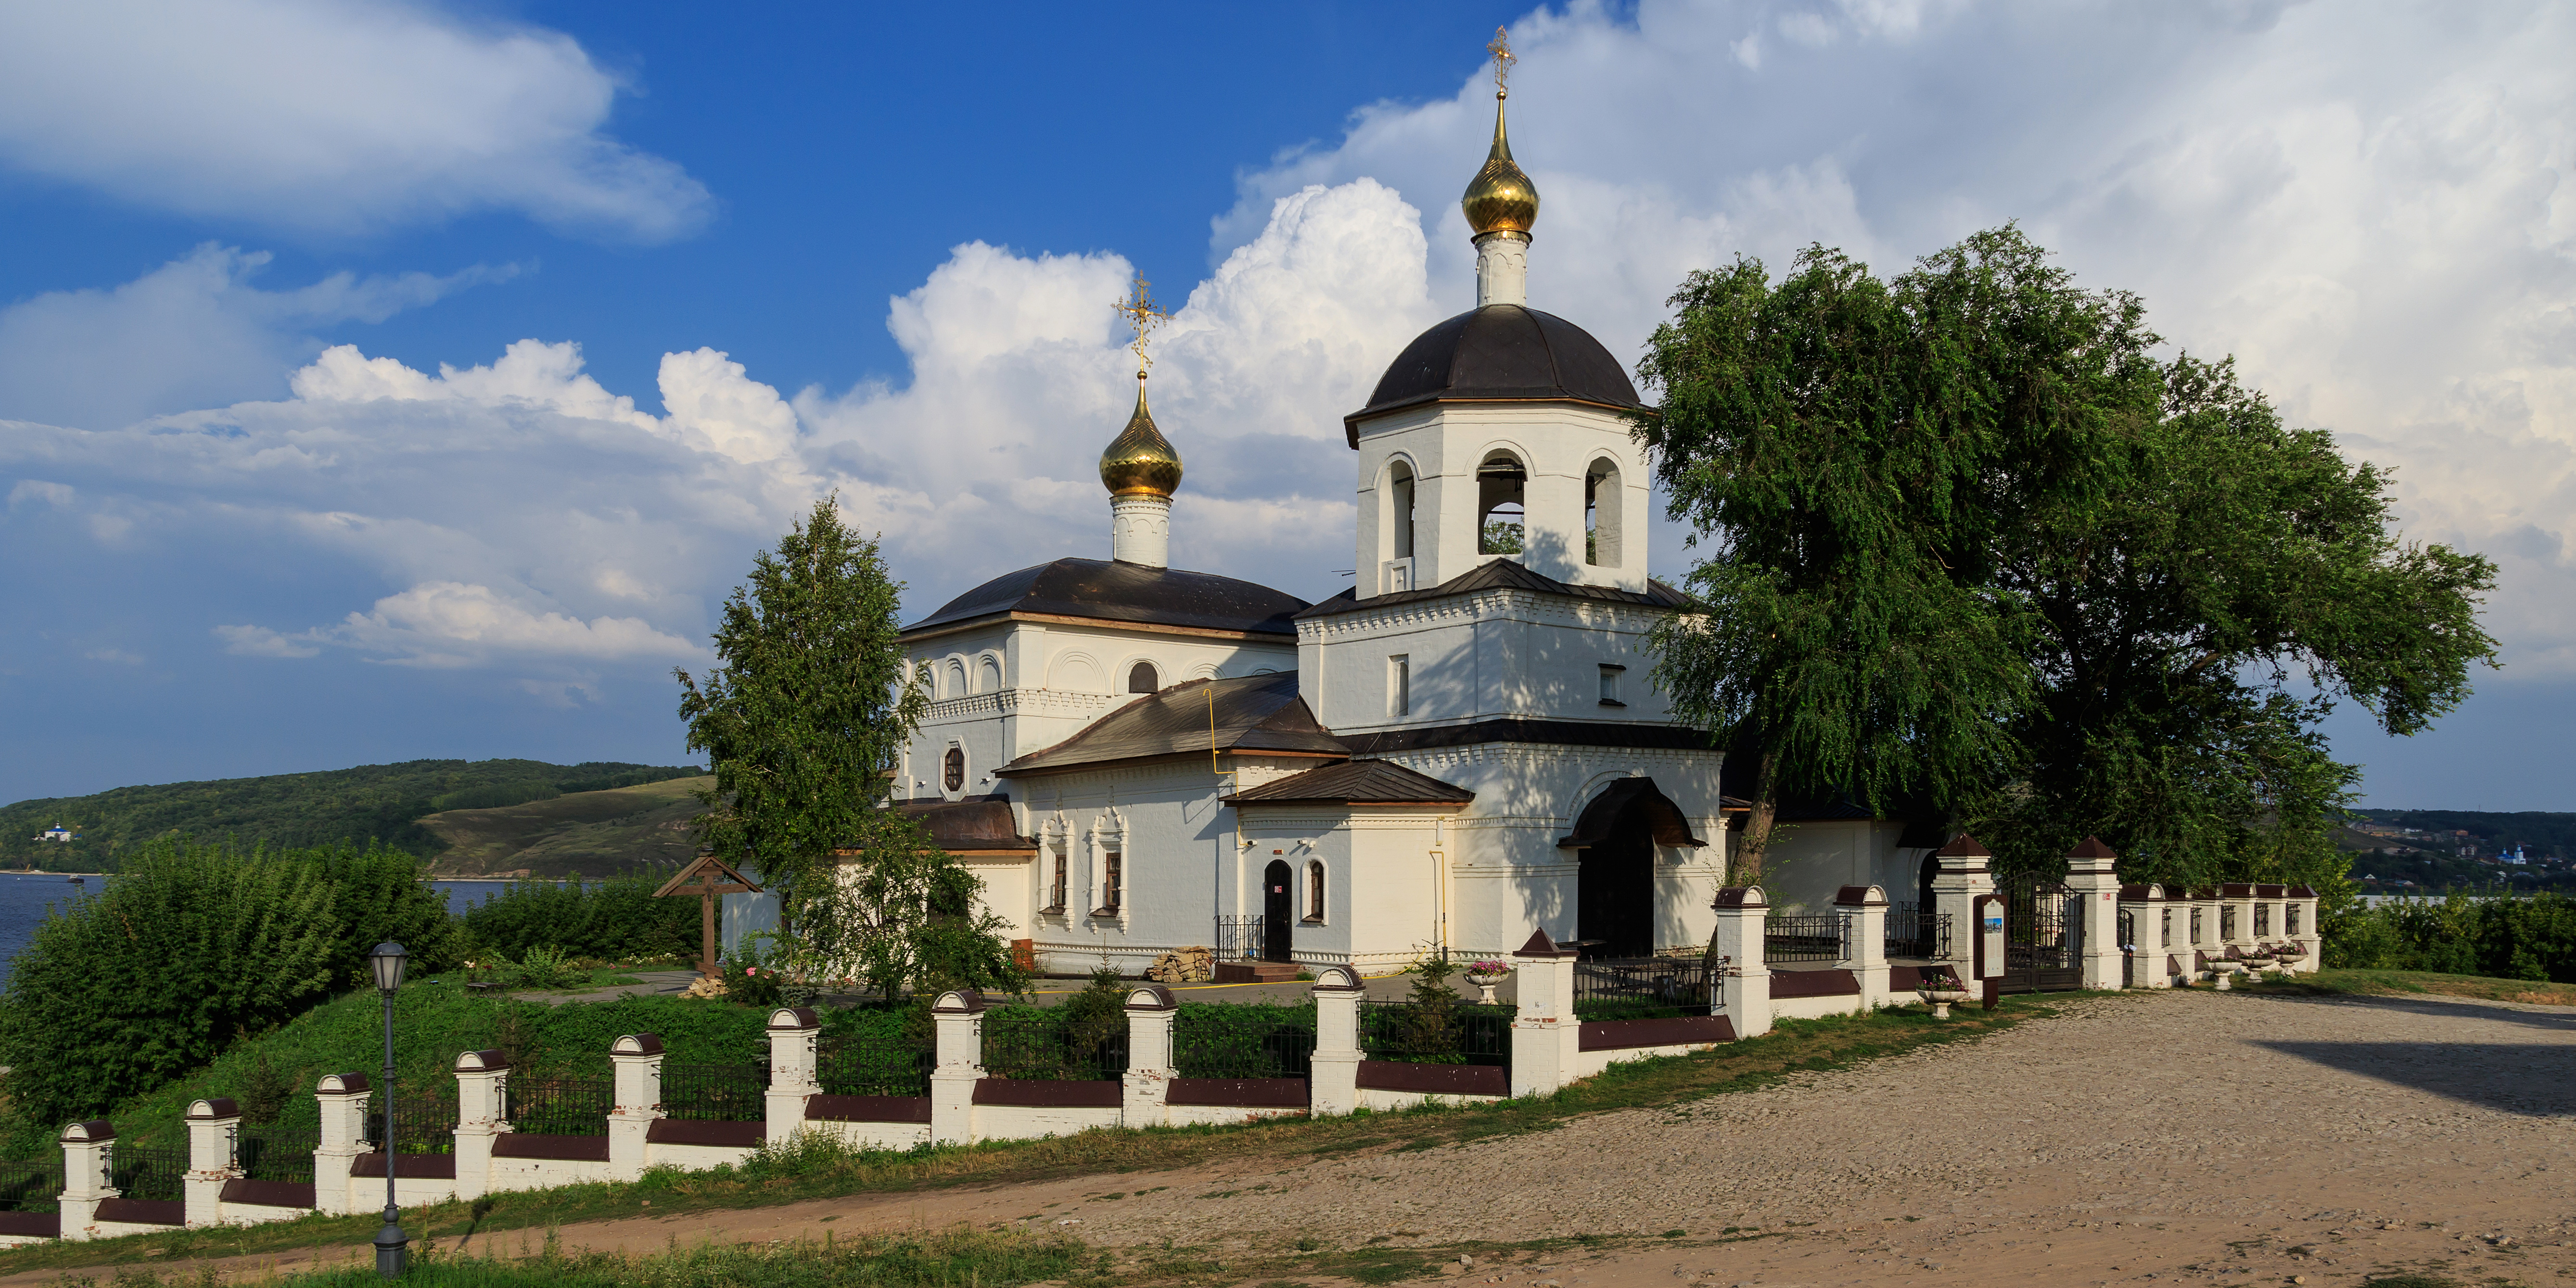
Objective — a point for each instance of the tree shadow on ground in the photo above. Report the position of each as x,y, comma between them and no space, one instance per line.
2554,1019
2533,1079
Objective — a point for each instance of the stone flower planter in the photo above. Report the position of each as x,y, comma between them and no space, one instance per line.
1941,999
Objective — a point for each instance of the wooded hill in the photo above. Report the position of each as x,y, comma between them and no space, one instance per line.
370,802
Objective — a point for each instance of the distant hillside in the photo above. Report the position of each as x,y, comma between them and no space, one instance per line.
2539,834
631,829
381,802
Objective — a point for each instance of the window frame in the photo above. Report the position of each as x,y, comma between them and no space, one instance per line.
1112,869
952,768
1314,894
1399,685
1152,672
1060,888
1611,673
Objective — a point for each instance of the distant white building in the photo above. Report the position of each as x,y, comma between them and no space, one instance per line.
57,832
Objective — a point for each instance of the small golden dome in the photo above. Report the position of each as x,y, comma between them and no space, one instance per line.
1500,199
1140,459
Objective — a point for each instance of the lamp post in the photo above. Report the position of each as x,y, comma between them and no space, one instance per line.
393,1250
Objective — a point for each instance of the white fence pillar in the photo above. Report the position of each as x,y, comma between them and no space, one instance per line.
1746,989
1150,1065
637,1063
1545,1031
1963,877
88,1151
959,1016
342,1098
2092,877
1333,1074
795,1039
213,1127
1863,910
482,1115
2299,915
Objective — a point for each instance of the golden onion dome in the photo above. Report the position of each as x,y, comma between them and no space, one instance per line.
1140,459
1501,199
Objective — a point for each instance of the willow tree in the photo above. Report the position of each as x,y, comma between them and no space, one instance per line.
1973,545
1849,452
807,712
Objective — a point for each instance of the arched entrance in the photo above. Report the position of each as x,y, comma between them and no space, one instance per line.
1275,901
1614,884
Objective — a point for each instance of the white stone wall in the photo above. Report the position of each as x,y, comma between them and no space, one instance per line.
1485,655
1807,861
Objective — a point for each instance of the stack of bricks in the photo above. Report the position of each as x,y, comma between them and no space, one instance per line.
1183,966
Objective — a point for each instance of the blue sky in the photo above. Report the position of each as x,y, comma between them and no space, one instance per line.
382,381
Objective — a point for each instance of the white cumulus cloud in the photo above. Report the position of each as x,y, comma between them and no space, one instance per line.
327,117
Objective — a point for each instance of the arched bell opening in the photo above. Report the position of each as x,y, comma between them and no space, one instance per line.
1502,505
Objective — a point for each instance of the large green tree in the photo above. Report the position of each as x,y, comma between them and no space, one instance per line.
1973,545
805,720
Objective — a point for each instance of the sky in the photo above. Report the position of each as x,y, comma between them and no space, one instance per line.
382,381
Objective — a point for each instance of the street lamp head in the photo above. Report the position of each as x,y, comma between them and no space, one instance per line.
388,960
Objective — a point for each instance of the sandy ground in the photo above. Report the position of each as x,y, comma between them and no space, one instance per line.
2131,1139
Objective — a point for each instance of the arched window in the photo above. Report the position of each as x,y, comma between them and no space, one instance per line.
1399,510
988,675
953,770
1314,894
956,680
1501,521
1601,515
1143,680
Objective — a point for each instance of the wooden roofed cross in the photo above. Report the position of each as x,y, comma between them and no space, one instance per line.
706,878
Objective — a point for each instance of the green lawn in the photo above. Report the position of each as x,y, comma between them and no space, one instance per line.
2403,982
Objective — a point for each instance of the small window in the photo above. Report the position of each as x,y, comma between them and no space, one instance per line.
2226,922
1610,685
1314,894
2289,919
1399,685
2195,927
954,774
1055,891
2262,920
1143,679
2167,941
1109,884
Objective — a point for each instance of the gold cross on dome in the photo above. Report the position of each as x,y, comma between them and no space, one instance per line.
1142,315
1501,49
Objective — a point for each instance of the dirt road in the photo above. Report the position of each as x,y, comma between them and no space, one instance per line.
2130,1139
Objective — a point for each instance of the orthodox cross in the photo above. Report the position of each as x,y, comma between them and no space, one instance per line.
1501,49
1142,315
708,878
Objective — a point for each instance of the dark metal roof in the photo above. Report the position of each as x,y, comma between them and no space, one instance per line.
1357,782
1501,574
968,825
1107,590
1557,733
1253,713
1500,351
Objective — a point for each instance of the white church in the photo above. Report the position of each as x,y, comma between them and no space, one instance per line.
1462,748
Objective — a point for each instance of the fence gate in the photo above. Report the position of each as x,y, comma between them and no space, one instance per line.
2044,950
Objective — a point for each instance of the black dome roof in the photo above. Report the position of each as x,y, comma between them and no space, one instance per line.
1124,592
1500,351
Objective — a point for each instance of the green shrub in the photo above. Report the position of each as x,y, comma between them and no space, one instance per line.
613,920
191,948
2530,938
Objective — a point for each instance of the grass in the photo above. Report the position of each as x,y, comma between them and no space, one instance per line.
623,829
819,1169
2399,983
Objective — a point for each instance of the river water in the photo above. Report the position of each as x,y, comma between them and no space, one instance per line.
26,899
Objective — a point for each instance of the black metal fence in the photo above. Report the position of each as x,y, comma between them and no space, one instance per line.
1918,934
31,1187
1238,939
147,1172
876,1068
1803,939
560,1106
1413,1033
1223,1041
424,1122
1643,988
278,1153
716,1092
1034,1042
